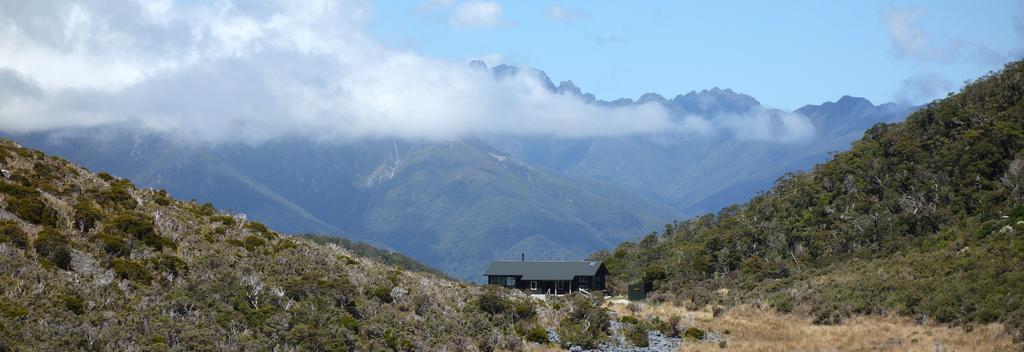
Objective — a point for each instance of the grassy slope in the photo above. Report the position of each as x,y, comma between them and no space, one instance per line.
91,262
922,218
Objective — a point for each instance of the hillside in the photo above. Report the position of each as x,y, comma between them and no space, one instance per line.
923,218
91,262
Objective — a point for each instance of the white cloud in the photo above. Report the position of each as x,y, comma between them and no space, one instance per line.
222,72
476,13
923,87
912,41
430,5
562,14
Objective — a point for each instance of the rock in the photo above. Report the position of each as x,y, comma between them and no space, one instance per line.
553,336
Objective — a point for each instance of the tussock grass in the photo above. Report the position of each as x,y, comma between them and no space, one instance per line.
760,329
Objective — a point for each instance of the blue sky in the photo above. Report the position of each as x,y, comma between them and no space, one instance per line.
336,70
786,54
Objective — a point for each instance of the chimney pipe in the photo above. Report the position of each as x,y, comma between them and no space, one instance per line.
523,257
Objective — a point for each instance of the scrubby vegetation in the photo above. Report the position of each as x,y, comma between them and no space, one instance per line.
90,262
923,218
381,255
584,322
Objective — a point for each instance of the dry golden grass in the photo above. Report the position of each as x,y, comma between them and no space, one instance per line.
755,329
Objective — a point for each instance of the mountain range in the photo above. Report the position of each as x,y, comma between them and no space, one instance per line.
456,205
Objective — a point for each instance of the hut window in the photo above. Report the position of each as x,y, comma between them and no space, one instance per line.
510,281
533,285
583,279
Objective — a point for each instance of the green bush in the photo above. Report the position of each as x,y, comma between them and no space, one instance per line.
141,227
205,209
260,229
537,334
637,335
73,303
781,302
11,232
381,293
12,310
114,244
524,310
162,198
131,270
169,264
87,215
117,197
629,320
491,302
661,326
253,242
228,221
694,333
52,245
830,314
586,325
29,205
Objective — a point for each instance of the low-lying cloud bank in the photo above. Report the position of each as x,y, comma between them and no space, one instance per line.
237,72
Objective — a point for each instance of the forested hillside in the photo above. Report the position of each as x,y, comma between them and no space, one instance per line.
922,218
90,262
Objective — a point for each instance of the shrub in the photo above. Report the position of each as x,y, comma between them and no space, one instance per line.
224,219
131,270
524,310
28,204
831,314
382,294
73,303
141,227
52,245
205,209
87,215
252,242
114,244
629,320
586,325
105,176
12,310
637,335
169,264
781,302
492,303
11,232
537,334
260,229
661,326
162,198
694,333
673,323
118,196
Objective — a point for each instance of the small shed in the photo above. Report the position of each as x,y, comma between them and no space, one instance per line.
639,290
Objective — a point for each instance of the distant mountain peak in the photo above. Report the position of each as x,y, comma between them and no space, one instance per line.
850,101
478,64
568,86
504,70
655,97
